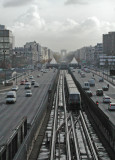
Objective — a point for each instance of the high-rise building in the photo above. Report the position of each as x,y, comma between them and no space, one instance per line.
6,41
109,44
31,50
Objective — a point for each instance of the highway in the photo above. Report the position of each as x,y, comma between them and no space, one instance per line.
11,114
99,85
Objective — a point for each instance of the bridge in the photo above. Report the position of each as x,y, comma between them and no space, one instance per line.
42,125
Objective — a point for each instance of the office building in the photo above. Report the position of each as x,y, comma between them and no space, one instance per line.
109,44
6,41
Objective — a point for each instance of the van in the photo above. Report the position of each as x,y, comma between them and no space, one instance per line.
111,107
92,82
86,86
11,97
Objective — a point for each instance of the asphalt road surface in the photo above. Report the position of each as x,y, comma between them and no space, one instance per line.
11,114
99,85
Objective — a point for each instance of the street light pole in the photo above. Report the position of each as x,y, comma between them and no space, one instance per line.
16,78
5,64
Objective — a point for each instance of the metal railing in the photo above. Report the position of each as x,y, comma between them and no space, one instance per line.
52,157
66,126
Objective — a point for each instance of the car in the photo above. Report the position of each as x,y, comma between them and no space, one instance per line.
26,80
111,107
99,92
93,78
27,85
82,75
28,93
22,82
105,88
44,71
15,88
88,71
38,75
79,71
36,85
101,79
89,93
73,70
32,82
31,77
106,99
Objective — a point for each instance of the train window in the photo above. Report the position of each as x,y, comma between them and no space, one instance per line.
74,96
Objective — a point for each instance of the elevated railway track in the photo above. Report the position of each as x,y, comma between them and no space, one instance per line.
69,134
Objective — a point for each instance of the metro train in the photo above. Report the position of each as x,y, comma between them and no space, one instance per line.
73,96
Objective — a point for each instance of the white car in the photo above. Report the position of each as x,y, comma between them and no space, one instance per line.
36,85
27,85
111,107
28,93
32,82
82,75
14,88
31,77
106,99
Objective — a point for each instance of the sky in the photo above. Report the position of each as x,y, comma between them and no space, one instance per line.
58,24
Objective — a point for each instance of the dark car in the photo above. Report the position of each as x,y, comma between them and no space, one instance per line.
22,82
99,92
26,80
89,93
105,88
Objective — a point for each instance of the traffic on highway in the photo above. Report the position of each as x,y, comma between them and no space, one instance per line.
99,91
27,101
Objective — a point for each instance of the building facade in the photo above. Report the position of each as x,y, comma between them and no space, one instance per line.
6,41
85,55
98,53
109,44
107,61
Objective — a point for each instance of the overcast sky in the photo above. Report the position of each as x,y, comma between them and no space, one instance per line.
58,24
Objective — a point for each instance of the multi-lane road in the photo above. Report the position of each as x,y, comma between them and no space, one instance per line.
12,114
99,85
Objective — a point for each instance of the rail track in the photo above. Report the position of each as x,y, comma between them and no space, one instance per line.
69,135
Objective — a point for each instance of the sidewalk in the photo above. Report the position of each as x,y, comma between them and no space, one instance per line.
5,88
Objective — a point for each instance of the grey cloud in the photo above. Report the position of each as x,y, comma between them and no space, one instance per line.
76,2
68,34
30,19
14,3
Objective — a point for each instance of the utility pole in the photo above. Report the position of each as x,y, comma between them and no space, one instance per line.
5,65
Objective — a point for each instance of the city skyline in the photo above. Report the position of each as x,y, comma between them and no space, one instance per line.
69,24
